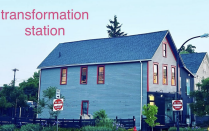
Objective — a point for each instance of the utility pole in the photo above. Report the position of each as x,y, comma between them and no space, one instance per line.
14,75
14,86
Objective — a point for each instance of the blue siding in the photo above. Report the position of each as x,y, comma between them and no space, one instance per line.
186,99
119,96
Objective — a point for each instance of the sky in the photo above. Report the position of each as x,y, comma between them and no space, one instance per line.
183,18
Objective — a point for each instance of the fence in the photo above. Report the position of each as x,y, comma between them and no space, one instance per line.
64,123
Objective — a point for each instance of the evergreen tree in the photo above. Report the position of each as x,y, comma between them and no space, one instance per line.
190,49
201,105
114,29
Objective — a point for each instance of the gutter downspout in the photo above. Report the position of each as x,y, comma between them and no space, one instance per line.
141,99
39,89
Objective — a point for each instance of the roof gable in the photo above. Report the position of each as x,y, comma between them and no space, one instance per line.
127,48
193,61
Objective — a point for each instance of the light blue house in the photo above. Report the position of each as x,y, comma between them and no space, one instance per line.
114,74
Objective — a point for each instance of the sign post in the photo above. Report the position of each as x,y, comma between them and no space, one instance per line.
57,104
177,105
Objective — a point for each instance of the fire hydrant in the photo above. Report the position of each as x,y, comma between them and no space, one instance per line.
134,128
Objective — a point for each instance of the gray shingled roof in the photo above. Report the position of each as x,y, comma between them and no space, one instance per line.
127,48
193,61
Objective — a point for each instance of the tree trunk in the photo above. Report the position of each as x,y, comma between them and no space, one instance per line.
152,128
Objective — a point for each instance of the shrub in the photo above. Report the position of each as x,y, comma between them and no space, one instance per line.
10,127
186,129
51,128
101,114
30,127
96,128
104,122
118,127
193,129
69,129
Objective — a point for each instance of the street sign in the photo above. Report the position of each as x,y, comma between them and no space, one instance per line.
57,104
58,94
177,105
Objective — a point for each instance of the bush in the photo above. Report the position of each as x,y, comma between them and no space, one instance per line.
186,129
10,127
69,129
30,127
104,123
118,127
51,128
101,114
96,128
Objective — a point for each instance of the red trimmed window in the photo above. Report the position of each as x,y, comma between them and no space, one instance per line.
165,75
164,49
155,73
84,107
173,75
83,78
63,76
100,74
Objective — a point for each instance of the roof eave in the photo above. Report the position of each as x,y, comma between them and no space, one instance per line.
115,62
189,71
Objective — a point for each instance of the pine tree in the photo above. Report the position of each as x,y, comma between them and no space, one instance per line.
114,29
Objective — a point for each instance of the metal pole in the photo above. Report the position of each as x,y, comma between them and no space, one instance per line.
14,78
14,75
14,86
177,80
57,122
177,88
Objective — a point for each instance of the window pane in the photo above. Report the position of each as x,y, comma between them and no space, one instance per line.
173,76
64,76
83,75
164,49
155,68
152,103
85,106
188,86
100,75
155,74
151,98
164,75
64,71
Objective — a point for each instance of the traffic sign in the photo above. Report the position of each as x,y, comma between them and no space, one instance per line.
57,104
57,93
177,105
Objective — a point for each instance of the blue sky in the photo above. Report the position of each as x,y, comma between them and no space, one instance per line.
184,19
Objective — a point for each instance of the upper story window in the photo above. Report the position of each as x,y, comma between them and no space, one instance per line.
164,50
188,86
63,76
83,78
100,74
173,75
155,73
165,75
